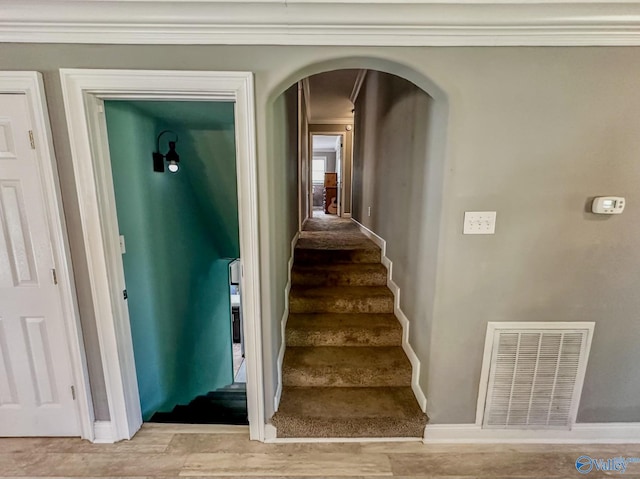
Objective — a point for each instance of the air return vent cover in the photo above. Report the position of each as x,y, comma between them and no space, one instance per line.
532,374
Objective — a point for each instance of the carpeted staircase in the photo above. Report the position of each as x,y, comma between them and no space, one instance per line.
227,405
345,373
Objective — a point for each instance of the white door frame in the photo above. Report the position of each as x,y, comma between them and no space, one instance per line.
83,92
31,85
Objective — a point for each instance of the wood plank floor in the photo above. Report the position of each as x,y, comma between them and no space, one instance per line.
178,451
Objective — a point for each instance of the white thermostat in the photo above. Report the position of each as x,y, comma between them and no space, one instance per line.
608,205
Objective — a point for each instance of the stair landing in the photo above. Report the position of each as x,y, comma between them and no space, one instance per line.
344,373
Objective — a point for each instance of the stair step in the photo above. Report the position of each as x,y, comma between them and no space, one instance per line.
214,403
343,330
226,405
226,397
356,274
311,255
347,299
234,390
349,412
229,418
239,387
346,366
344,372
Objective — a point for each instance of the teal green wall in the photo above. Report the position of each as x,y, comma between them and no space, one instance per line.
208,153
181,231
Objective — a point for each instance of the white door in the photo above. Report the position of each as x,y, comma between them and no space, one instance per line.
36,397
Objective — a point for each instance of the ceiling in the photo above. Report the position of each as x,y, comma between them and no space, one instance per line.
195,115
330,92
325,142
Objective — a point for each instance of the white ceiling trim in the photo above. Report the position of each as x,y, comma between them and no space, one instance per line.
314,22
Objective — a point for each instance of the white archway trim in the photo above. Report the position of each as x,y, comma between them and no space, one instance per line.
84,91
324,22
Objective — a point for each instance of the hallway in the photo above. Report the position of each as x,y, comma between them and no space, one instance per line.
344,372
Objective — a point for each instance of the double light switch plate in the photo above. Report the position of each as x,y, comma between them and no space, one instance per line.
479,223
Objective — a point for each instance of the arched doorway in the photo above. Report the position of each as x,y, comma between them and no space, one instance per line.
398,132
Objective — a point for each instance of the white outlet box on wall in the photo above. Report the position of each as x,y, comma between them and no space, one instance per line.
479,223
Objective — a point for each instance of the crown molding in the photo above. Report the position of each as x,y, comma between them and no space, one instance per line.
323,22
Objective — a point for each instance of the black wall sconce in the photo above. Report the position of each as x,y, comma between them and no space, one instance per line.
172,156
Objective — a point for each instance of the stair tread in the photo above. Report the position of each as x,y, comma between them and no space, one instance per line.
227,396
339,274
349,412
344,248
340,299
364,357
322,241
345,366
332,321
340,267
344,402
339,329
356,292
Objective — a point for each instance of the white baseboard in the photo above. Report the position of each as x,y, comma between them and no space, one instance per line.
404,321
346,215
582,433
270,433
411,354
283,323
175,428
290,440
373,237
103,432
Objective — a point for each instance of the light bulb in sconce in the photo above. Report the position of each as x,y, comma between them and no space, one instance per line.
173,166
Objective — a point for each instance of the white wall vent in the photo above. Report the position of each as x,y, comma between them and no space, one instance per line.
532,374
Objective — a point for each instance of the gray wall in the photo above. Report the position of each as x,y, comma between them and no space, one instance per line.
532,133
305,167
549,259
395,173
281,175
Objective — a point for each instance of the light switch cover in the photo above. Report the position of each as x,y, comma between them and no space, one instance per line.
479,223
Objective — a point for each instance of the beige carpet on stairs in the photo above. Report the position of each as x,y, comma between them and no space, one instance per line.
344,373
